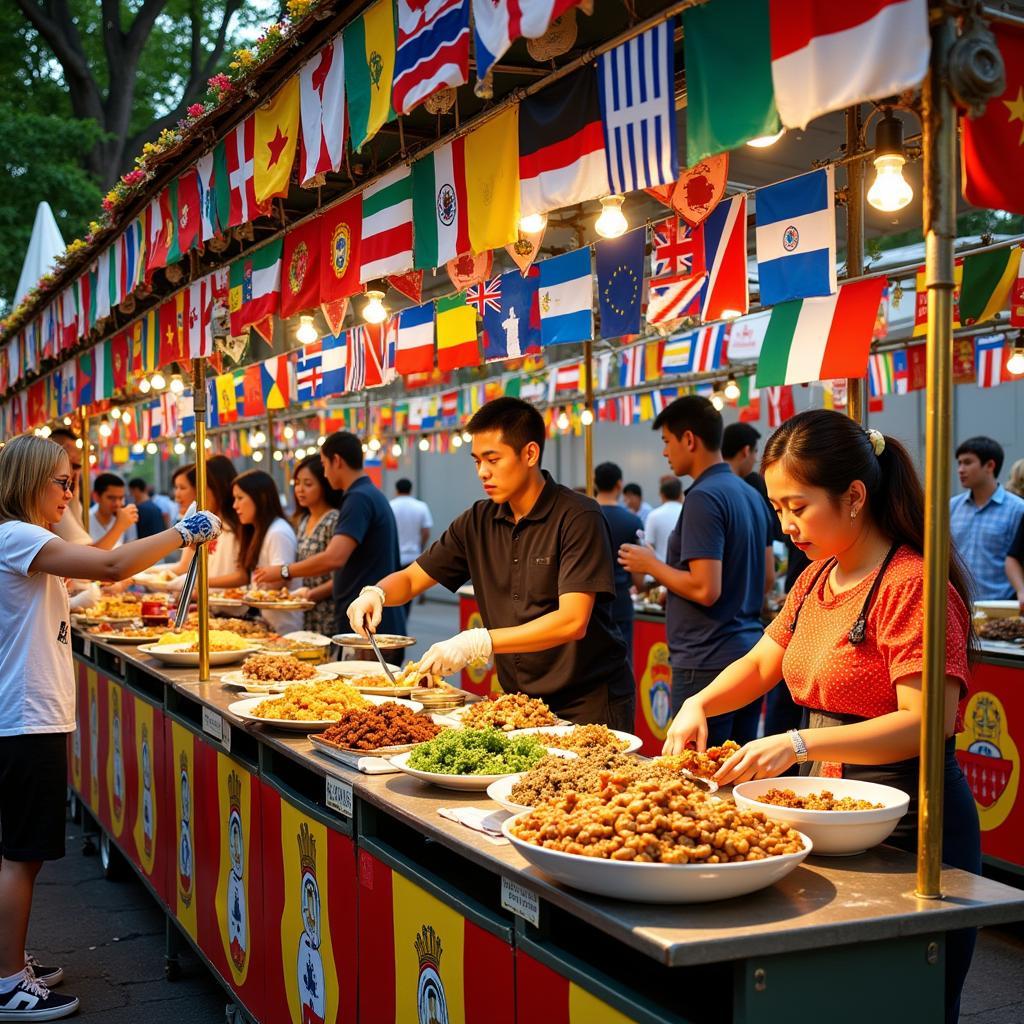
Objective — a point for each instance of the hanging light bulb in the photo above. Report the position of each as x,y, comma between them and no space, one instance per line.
1015,364
732,389
717,400
79,443
177,385
563,420
179,447
151,448
289,432
138,448
320,440
208,443
259,439
532,223
105,428
257,456
730,314
612,221
375,445
375,312
764,141
68,421
456,440
306,333
467,437
424,445
126,417
191,446
396,450
278,456
157,381
889,191
92,460
144,386
366,448
45,430
587,417
115,412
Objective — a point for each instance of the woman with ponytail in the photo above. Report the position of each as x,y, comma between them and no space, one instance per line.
850,639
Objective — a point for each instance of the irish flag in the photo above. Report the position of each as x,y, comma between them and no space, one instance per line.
820,338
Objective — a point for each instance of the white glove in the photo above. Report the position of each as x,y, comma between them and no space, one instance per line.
197,527
470,647
364,613
85,598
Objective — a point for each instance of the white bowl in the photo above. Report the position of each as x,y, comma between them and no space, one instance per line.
834,833
465,783
500,789
634,742
244,708
998,609
657,883
175,654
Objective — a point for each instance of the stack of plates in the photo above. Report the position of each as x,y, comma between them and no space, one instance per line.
440,700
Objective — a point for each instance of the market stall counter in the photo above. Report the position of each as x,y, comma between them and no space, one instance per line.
318,892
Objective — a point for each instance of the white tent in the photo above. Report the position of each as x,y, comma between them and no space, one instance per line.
45,245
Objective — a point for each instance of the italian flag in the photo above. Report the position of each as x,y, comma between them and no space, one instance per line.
988,278
821,338
439,208
255,290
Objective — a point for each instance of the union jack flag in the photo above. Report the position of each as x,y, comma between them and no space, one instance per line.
674,297
309,372
676,249
485,295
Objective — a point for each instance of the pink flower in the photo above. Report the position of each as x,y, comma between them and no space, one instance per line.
196,110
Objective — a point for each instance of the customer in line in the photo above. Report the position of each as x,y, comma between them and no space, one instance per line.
150,520
414,522
37,691
109,513
1015,483
633,499
661,521
983,520
223,568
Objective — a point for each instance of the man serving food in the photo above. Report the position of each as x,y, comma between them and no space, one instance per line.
539,557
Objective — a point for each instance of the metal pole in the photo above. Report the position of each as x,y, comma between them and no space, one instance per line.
856,390
83,479
939,121
588,404
202,582
270,444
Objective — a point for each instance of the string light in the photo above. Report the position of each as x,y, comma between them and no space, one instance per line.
144,386
92,460
731,314
300,453
563,420
151,448
306,332
105,428
177,385
375,445
257,456
764,141
375,312
532,223
366,448
259,439
179,447
396,450
612,221
320,440
126,417
587,417
138,448
732,389
278,456
1015,364
45,431
289,432
207,443
889,191
456,440
467,437
79,443
424,445
191,446
115,413
717,400
68,421
157,381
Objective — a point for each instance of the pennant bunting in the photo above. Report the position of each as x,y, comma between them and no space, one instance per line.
497,24
275,382
334,353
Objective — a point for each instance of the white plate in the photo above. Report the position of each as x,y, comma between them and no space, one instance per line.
174,654
385,641
635,743
281,606
243,709
307,636
466,783
348,669
120,620
456,716
834,833
227,606
657,883
499,791
159,586
120,638
998,609
237,680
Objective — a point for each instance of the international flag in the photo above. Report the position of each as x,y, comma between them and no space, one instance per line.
340,236
68,317
725,258
85,379
334,359
355,360
415,347
334,313
633,367
698,351
255,290
240,150
277,136
276,382
456,334
369,44
564,381
171,349
561,145
566,298
780,405
386,242
432,50
252,391
821,338
68,387
818,53
133,265
309,376
510,309
987,281
677,271
102,289
901,371
620,282
190,211
729,95
439,205
227,397
322,112
300,268
638,111
991,144
493,189
988,356
214,192
497,24
880,374
376,342
796,238
199,314
921,298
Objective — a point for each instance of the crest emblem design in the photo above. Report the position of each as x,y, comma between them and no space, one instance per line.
431,1001
185,858
147,793
790,238
989,758
298,268
309,965
237,916
341,249
447,205
376,68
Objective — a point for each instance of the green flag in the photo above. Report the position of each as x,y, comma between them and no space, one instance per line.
369,45
173,249
988,278
729,94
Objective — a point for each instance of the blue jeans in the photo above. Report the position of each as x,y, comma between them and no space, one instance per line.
740,725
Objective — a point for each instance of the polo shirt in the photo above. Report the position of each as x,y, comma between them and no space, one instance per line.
622,527
519,570
151,519
725,519
982,536
365,515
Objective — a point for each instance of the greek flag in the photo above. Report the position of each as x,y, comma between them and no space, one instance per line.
638,111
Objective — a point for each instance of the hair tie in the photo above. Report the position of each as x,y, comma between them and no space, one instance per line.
877,439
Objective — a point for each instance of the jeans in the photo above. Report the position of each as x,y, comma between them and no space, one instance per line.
739,725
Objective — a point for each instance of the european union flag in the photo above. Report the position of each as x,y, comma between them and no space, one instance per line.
620,282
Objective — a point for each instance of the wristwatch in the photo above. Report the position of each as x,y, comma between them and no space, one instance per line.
286,573
798,745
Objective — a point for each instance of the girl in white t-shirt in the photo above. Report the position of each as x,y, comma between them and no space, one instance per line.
265,537
37,689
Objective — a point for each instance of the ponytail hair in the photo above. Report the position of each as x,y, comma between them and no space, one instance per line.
826,449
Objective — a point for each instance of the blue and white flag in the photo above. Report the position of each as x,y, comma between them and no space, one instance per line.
309,376
796,237
638,110
566,298
698,351
511,314
186,412
334,359
620,282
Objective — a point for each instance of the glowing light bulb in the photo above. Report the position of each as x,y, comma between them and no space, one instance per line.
177,385
257,456
717,400
92,460
289,432
126,417
612,221
375,312
191,446
306,333
532,223
563,420
396,450
115,413
1015,364
320,440
45,431
467,437
259,438
78,442
68,421
138,448
144,386
424,445
731,314
366,448
456,440
278,456
151,448
105,429
179,447
732,390
158,381
375,445
890,191
207,443
764,141
586,417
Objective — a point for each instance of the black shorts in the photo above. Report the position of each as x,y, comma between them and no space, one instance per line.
33,794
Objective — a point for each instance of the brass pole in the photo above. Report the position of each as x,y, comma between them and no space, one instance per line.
939,122
856,390
202,581
588,403
270,444
83,478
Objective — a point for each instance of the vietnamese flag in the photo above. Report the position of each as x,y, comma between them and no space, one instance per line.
992,146
169,347
120,359
300,271
252,388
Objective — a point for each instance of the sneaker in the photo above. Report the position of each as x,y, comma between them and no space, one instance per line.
29,1000
51,977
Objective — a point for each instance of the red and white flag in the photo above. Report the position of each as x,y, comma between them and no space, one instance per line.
241,147
780,404
828,56
432,50
988,354
68,318
322,108
725,257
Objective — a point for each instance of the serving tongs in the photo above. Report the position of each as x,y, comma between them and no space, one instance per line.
185,598
380,657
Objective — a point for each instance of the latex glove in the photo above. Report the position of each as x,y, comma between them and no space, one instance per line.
197,527
126,517
85,598
470,647
364,613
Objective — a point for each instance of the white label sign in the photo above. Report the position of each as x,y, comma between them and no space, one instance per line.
214,725
87,647
339,796
520,901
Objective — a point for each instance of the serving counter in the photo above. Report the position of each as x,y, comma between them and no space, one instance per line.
316,893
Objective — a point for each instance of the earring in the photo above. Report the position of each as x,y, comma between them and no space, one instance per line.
853,513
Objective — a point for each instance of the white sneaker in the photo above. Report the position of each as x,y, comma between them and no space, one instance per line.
30,1000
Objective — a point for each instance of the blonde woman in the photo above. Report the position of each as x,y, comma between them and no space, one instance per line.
37,694
1015,485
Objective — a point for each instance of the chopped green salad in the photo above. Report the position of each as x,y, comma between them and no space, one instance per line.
476,752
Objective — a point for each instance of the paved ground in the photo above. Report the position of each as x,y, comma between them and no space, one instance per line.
110,935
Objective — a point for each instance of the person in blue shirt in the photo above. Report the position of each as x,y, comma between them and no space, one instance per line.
151,520
983,521
715,572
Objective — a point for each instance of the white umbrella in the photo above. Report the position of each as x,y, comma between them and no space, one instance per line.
45,245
